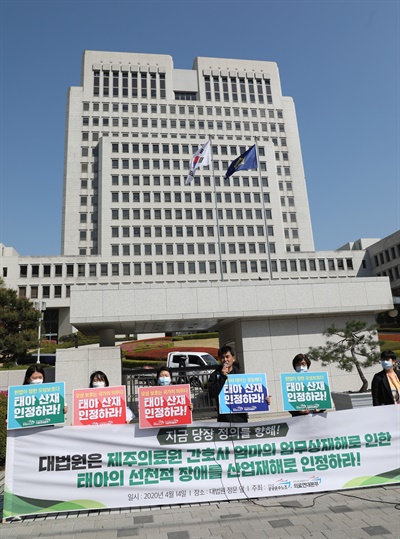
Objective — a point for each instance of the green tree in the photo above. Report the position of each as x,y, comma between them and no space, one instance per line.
355,345
18,325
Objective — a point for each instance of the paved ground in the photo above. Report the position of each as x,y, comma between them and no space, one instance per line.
362,513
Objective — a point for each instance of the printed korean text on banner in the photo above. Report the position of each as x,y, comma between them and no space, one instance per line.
163,406
305,391
35,405
202,158
54,470
96,406
243,393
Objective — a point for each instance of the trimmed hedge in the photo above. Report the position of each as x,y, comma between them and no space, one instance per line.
196,336
134,364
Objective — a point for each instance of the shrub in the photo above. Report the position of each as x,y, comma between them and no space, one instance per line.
191,336
133,364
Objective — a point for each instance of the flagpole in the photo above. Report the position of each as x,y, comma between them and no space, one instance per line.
216,211
264,211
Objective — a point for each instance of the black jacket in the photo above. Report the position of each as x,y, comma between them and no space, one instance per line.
380,388
215,384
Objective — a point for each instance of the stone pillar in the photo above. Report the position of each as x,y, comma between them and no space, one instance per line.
107,337
75,365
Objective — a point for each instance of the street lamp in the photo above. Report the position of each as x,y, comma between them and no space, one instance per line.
40,306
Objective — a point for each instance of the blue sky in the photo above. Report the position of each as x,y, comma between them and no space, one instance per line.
339,60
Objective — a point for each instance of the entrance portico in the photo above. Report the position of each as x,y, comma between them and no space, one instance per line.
268,323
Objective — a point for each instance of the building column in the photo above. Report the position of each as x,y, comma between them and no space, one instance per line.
107,337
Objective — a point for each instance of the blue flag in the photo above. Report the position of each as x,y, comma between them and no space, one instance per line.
246,161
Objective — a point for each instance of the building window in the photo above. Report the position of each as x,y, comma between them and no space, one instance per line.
34,292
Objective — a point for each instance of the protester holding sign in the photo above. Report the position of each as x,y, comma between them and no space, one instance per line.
99,379
218,378
301,363
35,375
386,383
164,378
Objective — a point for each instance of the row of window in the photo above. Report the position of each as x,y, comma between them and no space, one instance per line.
392,273
188,231
387,256
199,181
189,197
189,214
190,110
198,267
44,292
153,85
126,84
193,136
177,149
233,89
201,125
165,164
160,249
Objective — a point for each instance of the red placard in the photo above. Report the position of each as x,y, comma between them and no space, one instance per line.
100,405
163,406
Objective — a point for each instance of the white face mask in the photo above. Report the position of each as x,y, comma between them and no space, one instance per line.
164,381
386,364
99,384
36,381
301,368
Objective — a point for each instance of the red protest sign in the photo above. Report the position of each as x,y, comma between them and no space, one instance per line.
101,405
164,406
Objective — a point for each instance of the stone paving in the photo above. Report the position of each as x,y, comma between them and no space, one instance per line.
362,513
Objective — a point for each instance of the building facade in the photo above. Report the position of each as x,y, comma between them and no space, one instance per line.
132,128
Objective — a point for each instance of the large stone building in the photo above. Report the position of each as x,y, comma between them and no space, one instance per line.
128,217
142,251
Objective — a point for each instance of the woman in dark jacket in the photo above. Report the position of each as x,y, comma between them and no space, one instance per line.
386,383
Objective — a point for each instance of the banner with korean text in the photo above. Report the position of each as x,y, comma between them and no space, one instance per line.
52,470
164,406
305,391
96,406
35,405
243,393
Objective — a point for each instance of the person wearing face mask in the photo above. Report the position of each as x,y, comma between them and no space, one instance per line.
34,375
99,379
301,363
385,385
164,378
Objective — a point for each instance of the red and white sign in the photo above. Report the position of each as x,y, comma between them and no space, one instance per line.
101,405
164,406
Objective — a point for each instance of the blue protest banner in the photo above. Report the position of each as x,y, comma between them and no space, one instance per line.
244,393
